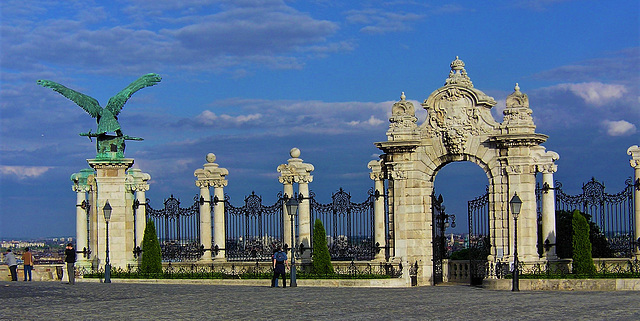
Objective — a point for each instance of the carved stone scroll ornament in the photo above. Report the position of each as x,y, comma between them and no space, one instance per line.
458,111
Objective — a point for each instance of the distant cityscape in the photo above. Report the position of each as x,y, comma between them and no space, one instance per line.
51,250
44,250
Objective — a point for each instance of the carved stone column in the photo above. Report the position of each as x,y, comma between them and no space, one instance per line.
304,219
547,167
81,186
212,175
549,212
634,152
139,185
377,175
295,171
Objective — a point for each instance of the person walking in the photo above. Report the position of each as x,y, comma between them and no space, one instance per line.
10,260
27,258
279,263
70,258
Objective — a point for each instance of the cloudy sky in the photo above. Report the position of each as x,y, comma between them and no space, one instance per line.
250,79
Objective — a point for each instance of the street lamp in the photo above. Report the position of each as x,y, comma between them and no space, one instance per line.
292,209
515,203
107,216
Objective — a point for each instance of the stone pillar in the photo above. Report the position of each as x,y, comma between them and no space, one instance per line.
111,186
205,220
634,152
219,220
287,189
212,175
297,171
549,213
139,185
82,186
304,219
377,175
547,167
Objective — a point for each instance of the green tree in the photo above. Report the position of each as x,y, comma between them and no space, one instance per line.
599,244
582,259
321,257
151,253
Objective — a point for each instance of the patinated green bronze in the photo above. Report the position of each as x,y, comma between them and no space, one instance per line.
108,146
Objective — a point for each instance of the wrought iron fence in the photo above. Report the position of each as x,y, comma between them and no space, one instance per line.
349,226
254,230
479,237
612,213
178,229
629,268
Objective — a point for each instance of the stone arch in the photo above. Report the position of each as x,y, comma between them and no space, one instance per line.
459,127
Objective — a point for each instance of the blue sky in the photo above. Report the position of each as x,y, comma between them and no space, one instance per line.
250,79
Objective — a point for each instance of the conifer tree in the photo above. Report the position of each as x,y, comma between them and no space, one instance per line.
582,259
321,257
151,253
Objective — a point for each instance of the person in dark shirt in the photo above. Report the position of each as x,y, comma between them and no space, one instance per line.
279,263
70,259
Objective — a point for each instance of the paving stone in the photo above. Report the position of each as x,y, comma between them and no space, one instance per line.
130,301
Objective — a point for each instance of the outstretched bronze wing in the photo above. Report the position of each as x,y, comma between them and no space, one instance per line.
117,102
87,103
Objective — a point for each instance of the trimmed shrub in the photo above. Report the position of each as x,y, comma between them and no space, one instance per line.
599,244
582,259
321,257
151,254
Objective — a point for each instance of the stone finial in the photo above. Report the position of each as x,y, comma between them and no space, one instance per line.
403,115
211,174
517,115
294,152
458,75
295,170
517,98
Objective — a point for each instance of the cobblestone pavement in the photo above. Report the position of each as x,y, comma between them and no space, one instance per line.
120,301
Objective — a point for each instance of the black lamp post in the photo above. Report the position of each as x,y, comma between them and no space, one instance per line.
107,216
292,209
515,203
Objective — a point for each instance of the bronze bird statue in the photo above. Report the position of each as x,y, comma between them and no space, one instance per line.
107,117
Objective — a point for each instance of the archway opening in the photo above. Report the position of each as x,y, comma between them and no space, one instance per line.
459,183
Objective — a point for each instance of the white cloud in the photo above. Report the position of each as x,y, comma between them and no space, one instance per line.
596,93
619,128
378,21
372,121
23,172
210,118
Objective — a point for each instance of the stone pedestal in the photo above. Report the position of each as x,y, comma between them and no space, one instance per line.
111,186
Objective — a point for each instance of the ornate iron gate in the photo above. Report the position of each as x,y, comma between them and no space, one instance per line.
178,229
439,242
612,213
350,226
254,230
479,238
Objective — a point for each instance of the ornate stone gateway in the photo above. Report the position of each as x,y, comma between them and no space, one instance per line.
459,127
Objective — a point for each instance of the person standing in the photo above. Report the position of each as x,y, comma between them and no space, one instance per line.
279,263
70,258
27,258
11,261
